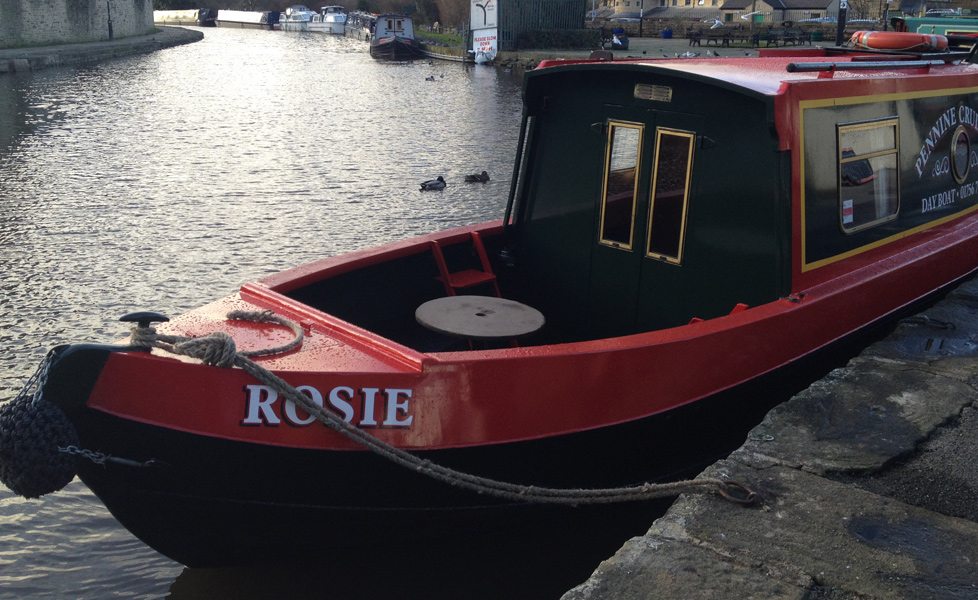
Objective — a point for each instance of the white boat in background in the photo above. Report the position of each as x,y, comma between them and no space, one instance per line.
331,19
296,18
199,17
247,19
360,25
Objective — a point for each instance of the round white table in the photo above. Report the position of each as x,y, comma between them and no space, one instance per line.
479,317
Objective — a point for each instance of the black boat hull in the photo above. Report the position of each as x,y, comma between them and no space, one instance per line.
212,502
394,48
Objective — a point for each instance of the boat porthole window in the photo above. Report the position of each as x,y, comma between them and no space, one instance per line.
960,155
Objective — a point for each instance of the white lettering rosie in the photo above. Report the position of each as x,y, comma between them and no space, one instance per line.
263,408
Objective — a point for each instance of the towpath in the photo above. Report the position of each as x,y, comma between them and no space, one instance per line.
868,477
13,60
637,48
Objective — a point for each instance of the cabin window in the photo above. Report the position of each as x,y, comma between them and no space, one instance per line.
869,191
620,184
670,194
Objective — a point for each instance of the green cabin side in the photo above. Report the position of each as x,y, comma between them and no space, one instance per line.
880,167
647,198
938,24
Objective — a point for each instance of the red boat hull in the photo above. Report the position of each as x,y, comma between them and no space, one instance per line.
209,501
464,399
214,460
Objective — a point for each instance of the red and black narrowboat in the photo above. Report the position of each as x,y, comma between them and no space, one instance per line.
393,38
681,228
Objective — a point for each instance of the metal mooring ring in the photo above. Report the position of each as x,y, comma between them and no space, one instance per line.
750,499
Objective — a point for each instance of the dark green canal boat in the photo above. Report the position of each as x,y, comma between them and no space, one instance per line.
679,228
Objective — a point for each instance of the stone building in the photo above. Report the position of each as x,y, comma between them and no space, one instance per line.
734,12
777,11
47,22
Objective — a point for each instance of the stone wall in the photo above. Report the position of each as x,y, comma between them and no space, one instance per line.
49,22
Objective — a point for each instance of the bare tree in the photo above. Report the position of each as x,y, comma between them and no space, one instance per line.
453,13
864,9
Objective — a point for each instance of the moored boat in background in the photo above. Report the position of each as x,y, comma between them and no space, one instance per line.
393,38
296,18
331,19
202,17
247,19
685,227
360,25
961,22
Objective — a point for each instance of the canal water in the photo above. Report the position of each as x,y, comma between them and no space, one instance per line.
162,182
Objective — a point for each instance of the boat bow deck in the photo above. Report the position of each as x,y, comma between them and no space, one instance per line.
330,343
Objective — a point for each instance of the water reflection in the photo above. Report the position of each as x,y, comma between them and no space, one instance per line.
524,565
49,548
162,182
12,108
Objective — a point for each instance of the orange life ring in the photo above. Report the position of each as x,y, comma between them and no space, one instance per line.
898,40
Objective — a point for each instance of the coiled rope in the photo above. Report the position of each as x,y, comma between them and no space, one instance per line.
218,349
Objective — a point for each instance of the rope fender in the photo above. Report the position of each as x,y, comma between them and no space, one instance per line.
33,433
218,349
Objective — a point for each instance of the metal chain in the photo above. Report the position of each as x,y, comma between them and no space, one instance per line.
35,387
96,457
35,384
101,458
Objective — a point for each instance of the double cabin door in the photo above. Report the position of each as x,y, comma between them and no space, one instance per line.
641,221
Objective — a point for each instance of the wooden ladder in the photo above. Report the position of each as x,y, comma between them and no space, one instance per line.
469,277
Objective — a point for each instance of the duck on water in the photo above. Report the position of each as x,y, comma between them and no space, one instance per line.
681,227
433,184
480,178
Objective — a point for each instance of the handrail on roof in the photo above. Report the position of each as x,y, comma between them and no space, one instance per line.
861,66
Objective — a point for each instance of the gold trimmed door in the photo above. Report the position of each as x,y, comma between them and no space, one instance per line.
636,281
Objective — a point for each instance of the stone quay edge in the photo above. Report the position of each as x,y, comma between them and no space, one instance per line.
35,58
868,479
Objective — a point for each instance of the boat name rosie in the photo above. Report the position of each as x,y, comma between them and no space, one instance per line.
965,115
263,408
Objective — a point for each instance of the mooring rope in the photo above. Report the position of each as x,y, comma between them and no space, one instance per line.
218,349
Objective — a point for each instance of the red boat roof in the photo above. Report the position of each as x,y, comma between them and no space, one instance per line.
769,74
